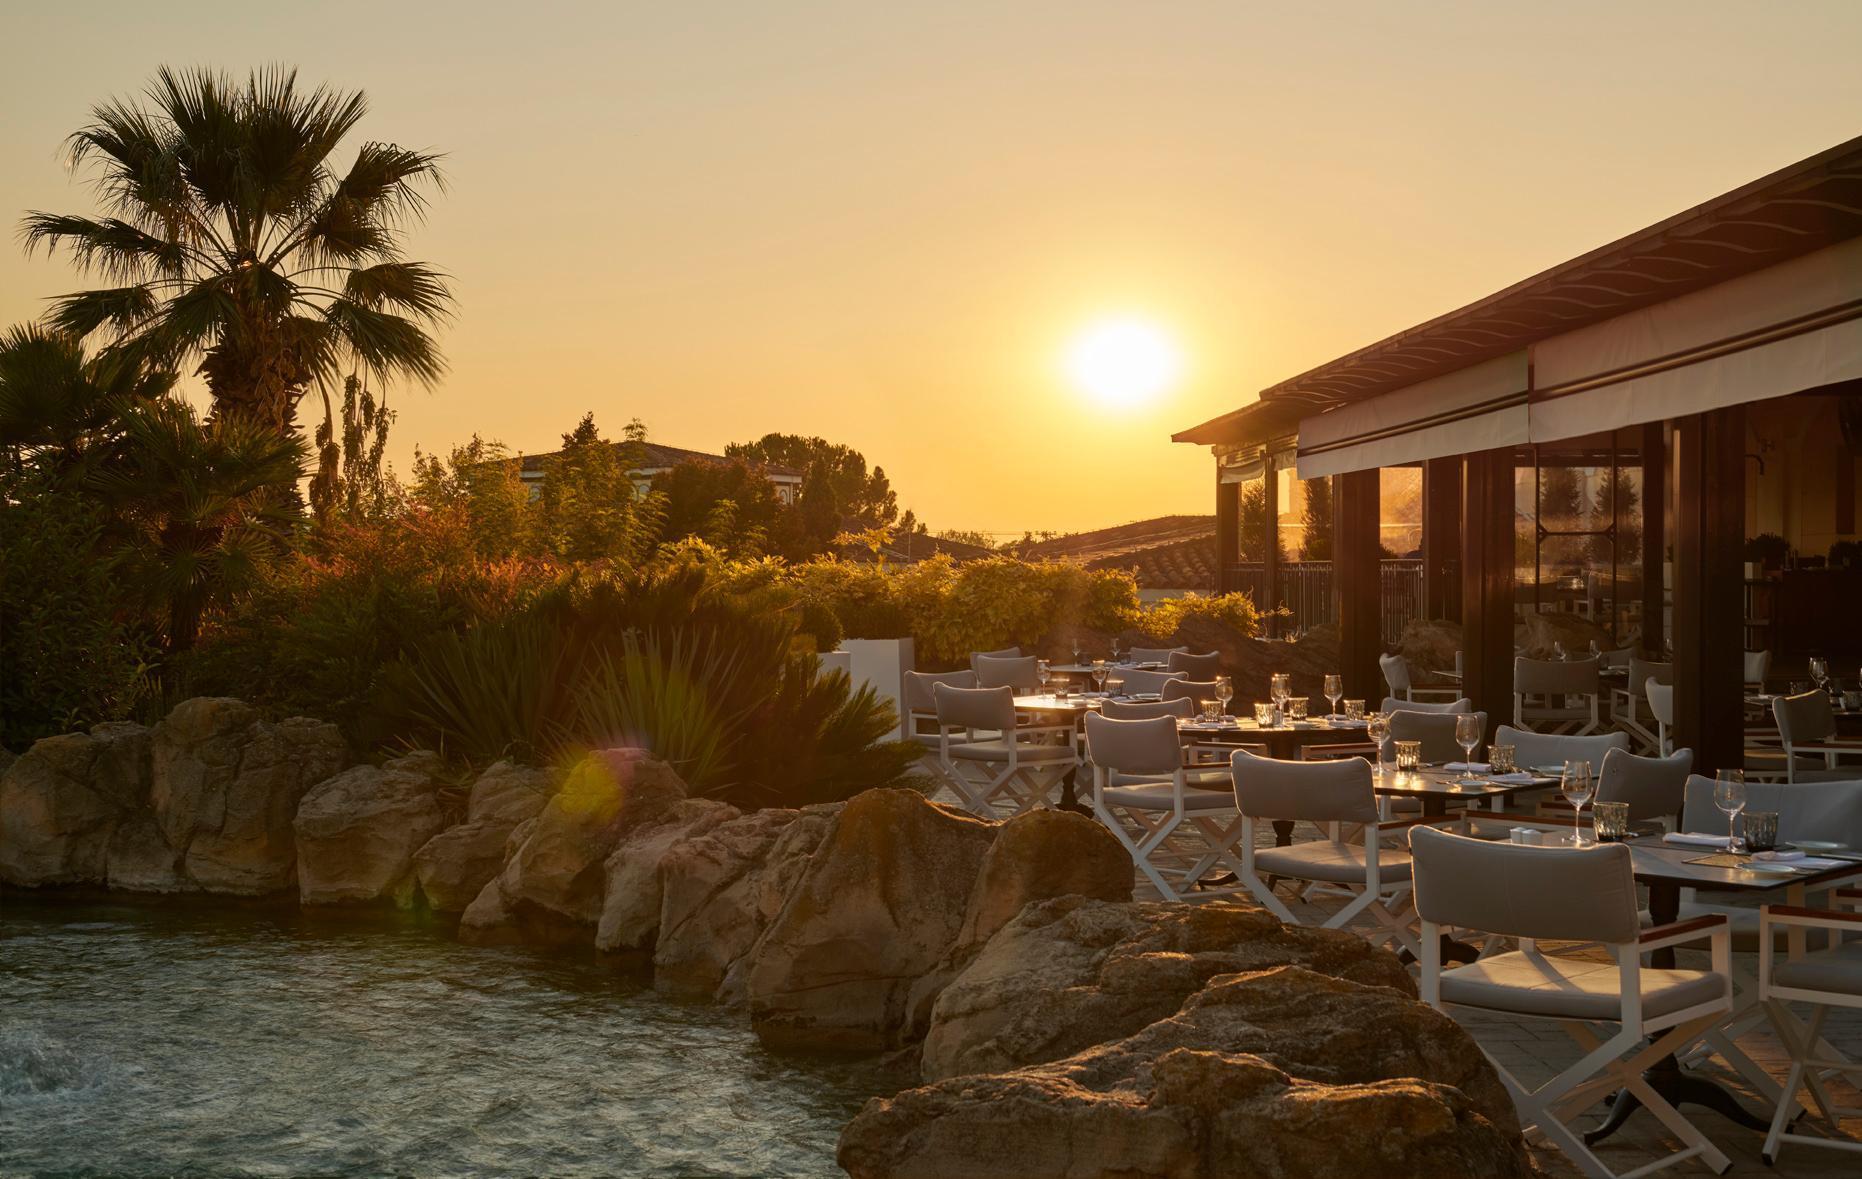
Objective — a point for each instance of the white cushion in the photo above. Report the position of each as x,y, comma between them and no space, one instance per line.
1837,971
1572,988
1161,797
1334,863
998,750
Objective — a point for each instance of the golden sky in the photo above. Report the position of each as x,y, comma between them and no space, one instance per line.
882,222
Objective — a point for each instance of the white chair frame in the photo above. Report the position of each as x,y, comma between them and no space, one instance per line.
1219,828
1026,785
1386,903
1810,1054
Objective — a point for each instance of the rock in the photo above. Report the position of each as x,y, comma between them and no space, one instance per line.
453,867
142,861
488,920
1429,646
716,894
1283,1073
358,831
1537,632
632,896
226,787
1069,973
879,903
554,881
766,887
61,804
1036,856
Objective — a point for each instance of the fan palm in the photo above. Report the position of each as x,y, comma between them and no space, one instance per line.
198,504
57,404
235,239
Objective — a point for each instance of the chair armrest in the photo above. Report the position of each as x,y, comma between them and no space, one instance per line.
1676,932
1337,752
1419,821
1829,747
1807,917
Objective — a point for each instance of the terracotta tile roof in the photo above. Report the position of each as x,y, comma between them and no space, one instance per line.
1168,552
656,455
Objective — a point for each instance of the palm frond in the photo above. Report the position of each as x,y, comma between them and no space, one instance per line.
390,344
412,287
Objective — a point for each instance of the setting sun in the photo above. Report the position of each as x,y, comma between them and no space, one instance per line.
1123,361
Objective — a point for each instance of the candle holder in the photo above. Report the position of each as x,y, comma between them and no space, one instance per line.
1611,821
1408,756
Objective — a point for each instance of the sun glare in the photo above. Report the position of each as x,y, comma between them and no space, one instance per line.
1123,361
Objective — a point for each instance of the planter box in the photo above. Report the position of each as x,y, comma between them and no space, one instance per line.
882,664
835,661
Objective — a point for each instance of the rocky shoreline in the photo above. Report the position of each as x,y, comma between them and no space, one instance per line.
1059,1028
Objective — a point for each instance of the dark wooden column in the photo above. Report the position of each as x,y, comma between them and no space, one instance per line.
1441,538
1270,556
1357,581
1227,532
1710,524
1487,584
1654,535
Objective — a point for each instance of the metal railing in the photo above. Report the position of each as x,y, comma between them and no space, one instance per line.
1307,591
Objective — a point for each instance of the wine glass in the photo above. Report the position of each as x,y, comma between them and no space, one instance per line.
1467,735
1377,728
1115,650
1099,674
1043,673
1280,687
1076,652
1558,650
1224,691
1820,672
1729,794
1334,689
1576,786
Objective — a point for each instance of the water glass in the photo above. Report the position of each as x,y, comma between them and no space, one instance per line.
1500,759
1296,707
1114,684
1612,823
1729,795
1761,830
1409,756
1576,786
1334,688
1264,714
1354,710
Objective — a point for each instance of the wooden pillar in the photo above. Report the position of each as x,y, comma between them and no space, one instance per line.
1710,525
1441,538
1654,537
1227,532
1270,557
1487,584
1357,580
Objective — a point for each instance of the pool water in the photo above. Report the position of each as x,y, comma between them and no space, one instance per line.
177,1039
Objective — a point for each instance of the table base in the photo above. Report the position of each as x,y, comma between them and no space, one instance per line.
1667,1078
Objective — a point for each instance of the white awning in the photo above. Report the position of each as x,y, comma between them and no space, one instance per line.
1476,408
1768,334
1239,469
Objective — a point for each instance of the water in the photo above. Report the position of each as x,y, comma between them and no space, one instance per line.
148,1040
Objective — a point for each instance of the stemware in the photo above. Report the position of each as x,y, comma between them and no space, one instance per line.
1334,689
1468,736
1043,673
1729,795
1280,686
1076,652
1576,786
1224,691
1820,672
1377,728
1099,674
1115,650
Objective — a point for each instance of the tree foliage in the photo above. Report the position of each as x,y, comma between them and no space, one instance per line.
860,498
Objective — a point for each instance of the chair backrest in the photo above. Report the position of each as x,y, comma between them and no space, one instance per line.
1550,749
919,685
1005,653
1197,667
1137,683
1569,894
1183,706
1134,746
1007,671
1805,719
1436,731
1392,704
1661,700
1758,666
1806,810
1315,791
1621,657
1154,654
1641,671
1556,677
975,708
1652,786
1188,690
1396,672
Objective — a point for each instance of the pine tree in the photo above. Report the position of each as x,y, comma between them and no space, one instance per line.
1316,521
1256,530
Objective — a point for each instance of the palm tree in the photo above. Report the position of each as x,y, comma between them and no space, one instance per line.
235,239
59,405
198,505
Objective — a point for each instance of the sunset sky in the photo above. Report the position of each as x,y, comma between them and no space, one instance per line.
884,223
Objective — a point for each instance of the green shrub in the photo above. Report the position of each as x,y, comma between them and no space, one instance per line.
1234,611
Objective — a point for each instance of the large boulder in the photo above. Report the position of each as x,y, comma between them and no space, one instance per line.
555,880
719,891
64,801
358,831
878,905
1036,856
1071,972
453,867
1285,1073
226,787
632,895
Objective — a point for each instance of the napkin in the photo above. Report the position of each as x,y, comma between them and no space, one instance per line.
1477,767
1515,779
1778,855
1694,839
